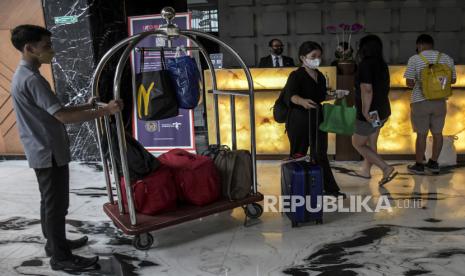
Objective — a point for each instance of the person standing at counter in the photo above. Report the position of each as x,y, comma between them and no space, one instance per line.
373,107
276,59
304,91
426,115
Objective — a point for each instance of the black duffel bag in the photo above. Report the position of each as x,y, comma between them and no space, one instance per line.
140,162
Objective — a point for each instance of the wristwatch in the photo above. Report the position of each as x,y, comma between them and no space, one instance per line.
94,104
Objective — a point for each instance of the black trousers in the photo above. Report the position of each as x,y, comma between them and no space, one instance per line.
297,128
54,202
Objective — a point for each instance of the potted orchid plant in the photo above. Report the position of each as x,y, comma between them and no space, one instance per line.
344,32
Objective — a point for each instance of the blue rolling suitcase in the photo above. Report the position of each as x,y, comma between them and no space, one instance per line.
303,177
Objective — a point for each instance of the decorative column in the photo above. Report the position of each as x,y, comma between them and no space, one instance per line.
346,80
82,32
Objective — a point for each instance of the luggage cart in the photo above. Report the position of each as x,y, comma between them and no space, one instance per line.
139,225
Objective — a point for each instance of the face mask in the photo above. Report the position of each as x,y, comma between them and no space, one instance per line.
312,63
46,57
278,51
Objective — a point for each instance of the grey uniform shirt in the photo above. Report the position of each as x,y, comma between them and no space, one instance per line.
35,104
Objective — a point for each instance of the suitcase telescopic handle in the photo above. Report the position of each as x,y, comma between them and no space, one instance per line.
312,154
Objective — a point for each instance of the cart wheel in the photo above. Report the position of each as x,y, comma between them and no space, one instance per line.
253,210
143,241
319,221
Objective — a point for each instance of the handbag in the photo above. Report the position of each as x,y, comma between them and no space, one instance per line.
235,168
280,109
156,96
339,118
185,77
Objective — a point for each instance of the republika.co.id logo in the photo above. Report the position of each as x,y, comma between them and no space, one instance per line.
353,204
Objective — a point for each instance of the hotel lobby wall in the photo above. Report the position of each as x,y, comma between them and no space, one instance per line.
80,45
12,14
248,25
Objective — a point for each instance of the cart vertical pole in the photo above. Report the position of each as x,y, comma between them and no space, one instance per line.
113,164
232,107
98,127
95,93
121,132
217,118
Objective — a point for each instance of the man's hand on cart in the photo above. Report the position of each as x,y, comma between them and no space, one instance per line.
112,107
115,106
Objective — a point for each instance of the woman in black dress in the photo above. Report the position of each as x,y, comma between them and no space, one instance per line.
371,96
304,91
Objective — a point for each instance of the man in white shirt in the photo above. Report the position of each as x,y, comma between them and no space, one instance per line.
276,59
426,115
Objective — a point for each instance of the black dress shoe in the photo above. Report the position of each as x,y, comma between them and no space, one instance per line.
73,244
74,263
336,194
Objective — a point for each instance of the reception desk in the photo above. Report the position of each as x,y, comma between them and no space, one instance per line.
396,136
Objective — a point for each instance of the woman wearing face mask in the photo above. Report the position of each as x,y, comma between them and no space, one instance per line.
371,95
305,90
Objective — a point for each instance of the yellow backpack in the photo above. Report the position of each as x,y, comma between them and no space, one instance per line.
436,79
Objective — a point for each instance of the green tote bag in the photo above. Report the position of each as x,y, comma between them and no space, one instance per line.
338,118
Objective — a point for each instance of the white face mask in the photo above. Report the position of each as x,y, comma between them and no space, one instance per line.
312,63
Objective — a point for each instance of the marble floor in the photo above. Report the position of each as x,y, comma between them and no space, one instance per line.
426,239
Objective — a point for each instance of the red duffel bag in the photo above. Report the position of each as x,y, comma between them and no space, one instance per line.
197,179
154,193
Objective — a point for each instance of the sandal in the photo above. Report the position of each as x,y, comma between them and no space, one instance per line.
388,178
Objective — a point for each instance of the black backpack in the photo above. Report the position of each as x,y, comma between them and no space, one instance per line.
280,109
140,162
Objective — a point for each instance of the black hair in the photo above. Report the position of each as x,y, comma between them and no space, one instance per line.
23,34
370,46
307,47
270,43
425,39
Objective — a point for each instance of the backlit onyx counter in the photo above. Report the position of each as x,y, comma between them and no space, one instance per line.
270,136
396,136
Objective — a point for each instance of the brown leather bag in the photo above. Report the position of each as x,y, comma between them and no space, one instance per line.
235,168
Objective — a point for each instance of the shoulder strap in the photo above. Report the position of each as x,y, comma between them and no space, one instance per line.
162,59
438,58
424,59
230,165
142,60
